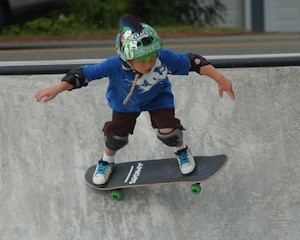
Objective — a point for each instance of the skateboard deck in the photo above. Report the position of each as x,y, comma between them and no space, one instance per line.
158,172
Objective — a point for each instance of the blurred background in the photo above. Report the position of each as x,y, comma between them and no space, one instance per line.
66,29
61,17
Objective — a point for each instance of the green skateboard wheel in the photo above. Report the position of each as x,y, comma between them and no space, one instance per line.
195,188
116,195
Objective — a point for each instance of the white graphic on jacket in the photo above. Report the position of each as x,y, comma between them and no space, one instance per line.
157,75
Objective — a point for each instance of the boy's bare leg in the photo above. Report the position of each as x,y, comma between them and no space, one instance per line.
169,130
184,156
109,152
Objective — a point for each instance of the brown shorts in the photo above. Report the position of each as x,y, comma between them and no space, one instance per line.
123,124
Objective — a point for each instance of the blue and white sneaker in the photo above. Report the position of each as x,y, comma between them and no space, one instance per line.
102,172
185,160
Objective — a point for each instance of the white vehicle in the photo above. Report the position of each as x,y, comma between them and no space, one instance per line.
10,9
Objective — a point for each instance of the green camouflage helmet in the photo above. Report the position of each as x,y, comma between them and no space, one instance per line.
135,45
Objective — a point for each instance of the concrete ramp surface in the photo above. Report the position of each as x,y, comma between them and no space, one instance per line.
46,148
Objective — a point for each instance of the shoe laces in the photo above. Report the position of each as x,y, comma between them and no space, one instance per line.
102,168
183,157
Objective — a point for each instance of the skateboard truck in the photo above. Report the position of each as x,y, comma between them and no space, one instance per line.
116,194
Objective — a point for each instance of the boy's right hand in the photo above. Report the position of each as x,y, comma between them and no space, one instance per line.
46,94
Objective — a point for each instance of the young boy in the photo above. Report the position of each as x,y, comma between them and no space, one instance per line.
138,82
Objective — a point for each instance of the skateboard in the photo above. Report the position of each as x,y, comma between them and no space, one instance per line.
158,172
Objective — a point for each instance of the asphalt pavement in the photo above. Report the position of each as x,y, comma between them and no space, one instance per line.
206,45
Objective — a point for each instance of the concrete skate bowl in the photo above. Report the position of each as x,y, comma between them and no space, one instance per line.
47,147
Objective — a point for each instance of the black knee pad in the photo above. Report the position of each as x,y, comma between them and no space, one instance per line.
171,139
115,142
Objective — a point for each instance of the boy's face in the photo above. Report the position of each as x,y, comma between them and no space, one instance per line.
144,65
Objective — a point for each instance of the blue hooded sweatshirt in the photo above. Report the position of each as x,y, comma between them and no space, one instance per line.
152,91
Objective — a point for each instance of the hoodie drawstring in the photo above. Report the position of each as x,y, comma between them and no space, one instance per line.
136,77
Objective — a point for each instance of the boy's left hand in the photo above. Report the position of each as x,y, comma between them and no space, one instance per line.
226,85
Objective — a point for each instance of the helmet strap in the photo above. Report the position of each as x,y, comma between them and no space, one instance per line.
128,67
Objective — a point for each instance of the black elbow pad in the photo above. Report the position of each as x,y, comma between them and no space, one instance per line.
196,62
76,78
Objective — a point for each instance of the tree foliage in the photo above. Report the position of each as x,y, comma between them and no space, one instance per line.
100,13
105,13
169,12
92,16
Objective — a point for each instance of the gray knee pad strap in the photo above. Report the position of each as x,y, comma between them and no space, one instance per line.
171,139
115,142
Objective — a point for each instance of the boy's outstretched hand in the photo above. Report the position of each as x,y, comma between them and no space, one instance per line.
225,84
45,94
